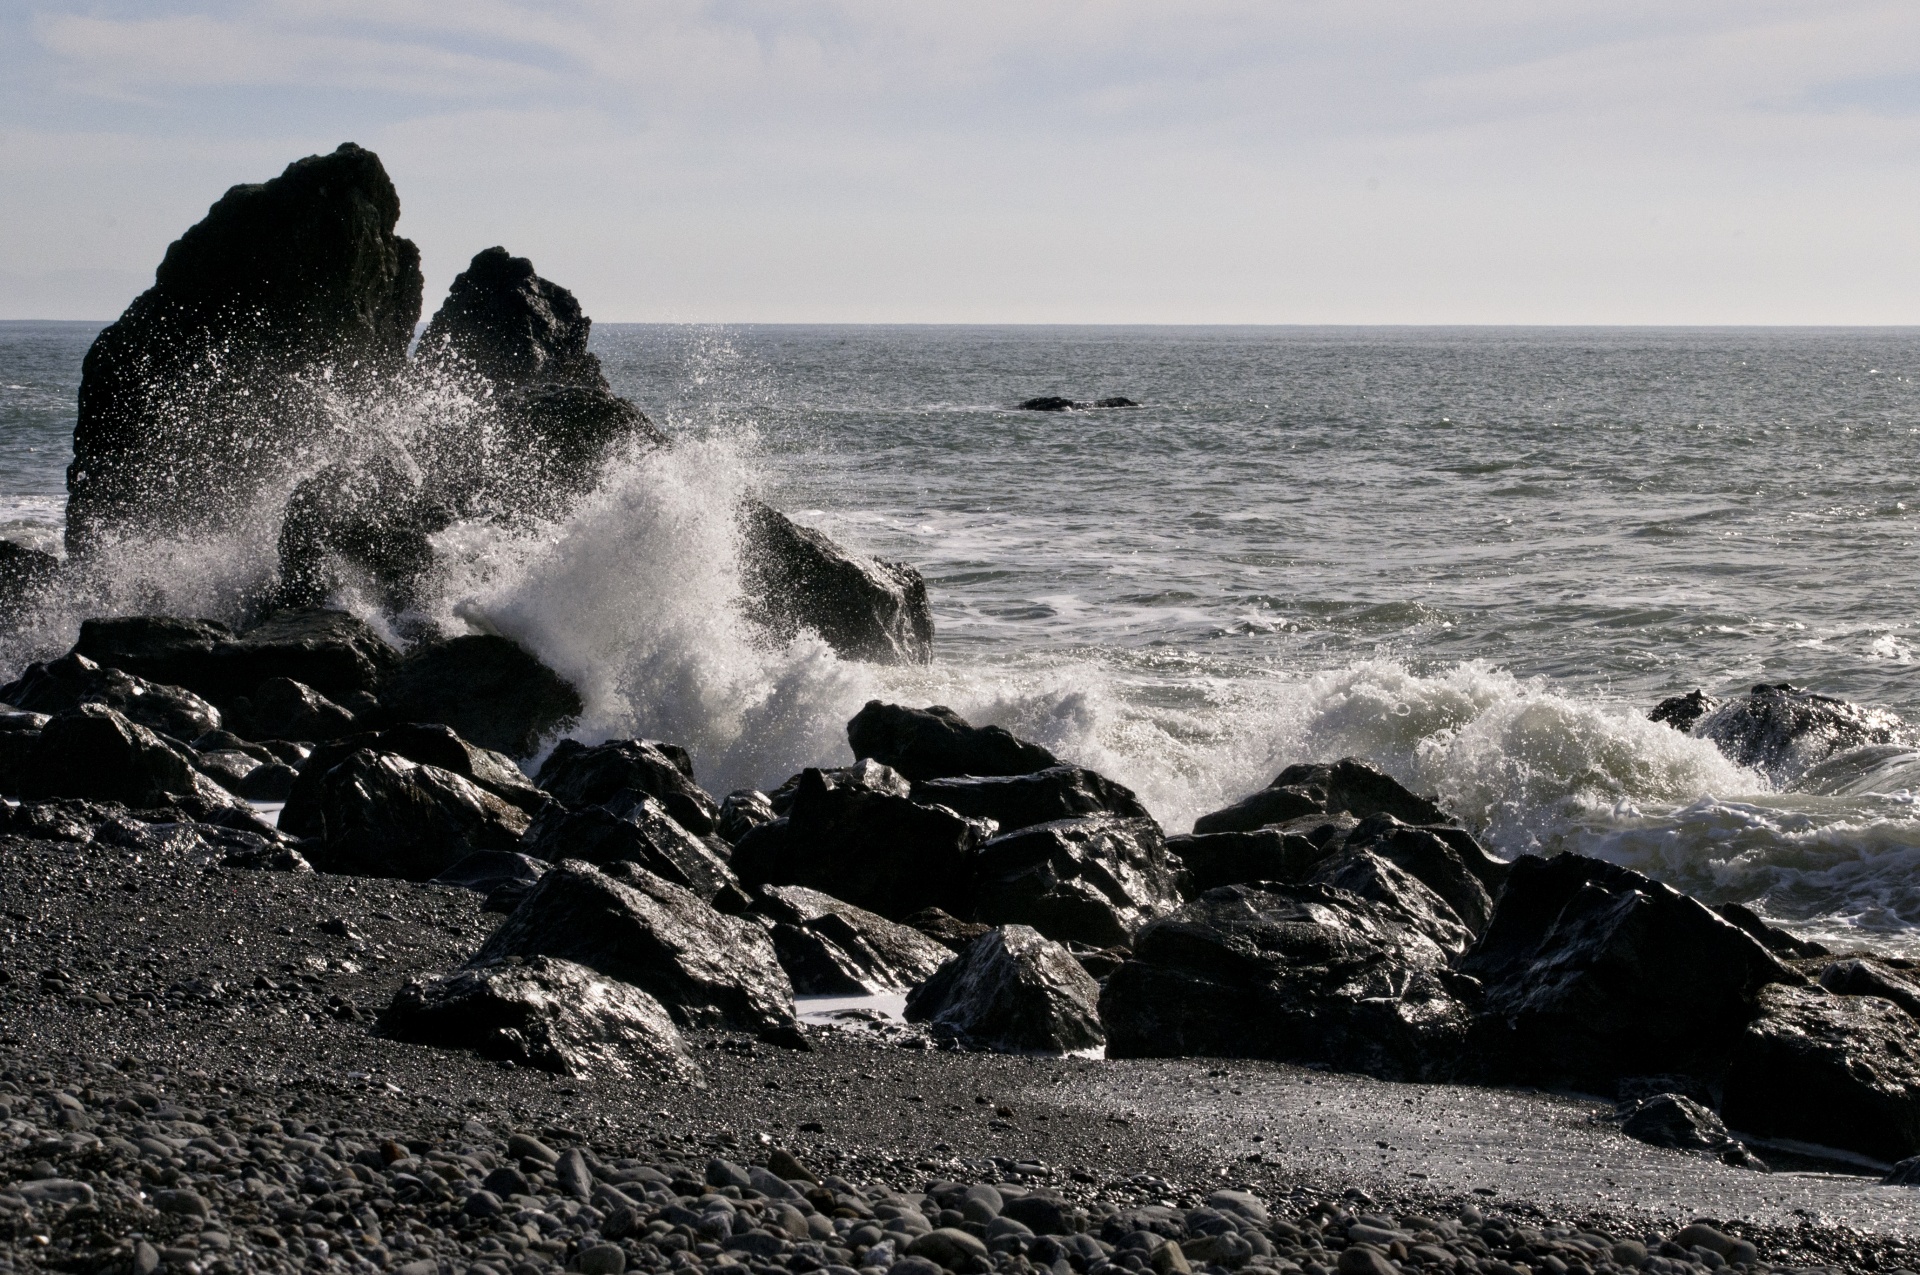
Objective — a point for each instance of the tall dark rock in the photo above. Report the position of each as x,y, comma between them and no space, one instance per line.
864,608
205,390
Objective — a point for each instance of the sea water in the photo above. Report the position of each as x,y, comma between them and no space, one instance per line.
1476,557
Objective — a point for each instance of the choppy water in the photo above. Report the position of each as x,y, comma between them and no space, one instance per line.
1476,556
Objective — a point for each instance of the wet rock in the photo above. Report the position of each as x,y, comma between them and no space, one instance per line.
487,870
741,811
1446,860
1021,801
1859,977
429,745
226,767
831,948
270,781
94,753
1114,401
1905,1173
1095,880
577,776
490,690
709,970
504,322
795,578
1782,731
1284,852
1049,403
281,708
545,1013
634,828
73,680
852,833
365,522
947,930
335,653
1683,712
1380,881
382,814
1677,1121
1772,937
1014,991
1349,787
1837,1071
1592,972
26,574
1305,973
937,743
194,401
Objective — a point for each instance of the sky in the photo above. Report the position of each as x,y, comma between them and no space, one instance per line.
1014,161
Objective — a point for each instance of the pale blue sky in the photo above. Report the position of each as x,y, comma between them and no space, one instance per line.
1333,161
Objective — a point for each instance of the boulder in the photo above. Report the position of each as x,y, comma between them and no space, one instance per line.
1445,859
1772,937
485,871
269,781
1094,880
365,522
1348,786
577,775
709,970
1021,801
95,753
741,811
1861,977
1282,852
73,680
854,834
1012,991
795,578
831,948
1303,973
336,654
545,1013
1114,401
631,827
1593,972
490,690
1678,1122
944,928
1374,878
1683,712
1782,731
382,814
937,743
1836,1071
281,708
1049,403
195,401
430,745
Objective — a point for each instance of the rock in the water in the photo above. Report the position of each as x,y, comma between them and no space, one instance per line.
1677,1121
1593,972
335,653
1014,991
1836,1071
545,1013
944,928
1683,712
364,522
381,814
1782,731
577,775
193,402
1021,801
1284,852
73,680
864,608
1772,937
1049,403
1859,977
1305,973
831,948
490,690
1114,401
95,753
281,708
937,743
1095,880
26,574
709,970
856,835
1348,786
630,827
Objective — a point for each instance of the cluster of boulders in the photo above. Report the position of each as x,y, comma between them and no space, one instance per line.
266,378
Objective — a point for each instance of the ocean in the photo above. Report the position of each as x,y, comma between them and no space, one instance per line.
1474,556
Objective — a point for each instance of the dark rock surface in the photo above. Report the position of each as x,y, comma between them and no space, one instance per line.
1094,880
73,680
1593,972
854,834
1281,852
831,948
944,928
1021,801
1864,977
1306,973
1049,403
1782,731
741,811
1677,1121
504,322
1683,712
577,775
1411,901
1772,937
489,689
1838,1071
364,522
193,401
864,608
281,708
709,970
95,753
545,1013
631,827
1446,860
429,745
1012,990
382,814
1348,786
937,743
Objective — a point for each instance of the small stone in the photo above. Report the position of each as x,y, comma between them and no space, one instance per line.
602,1259
56,1191
146,1258
483,1203
1630,1253
574,1176
181,1201
1700,1235
523,1146
949,1246
727,1173
507,1180
784,1165
425,1266
1364,1259
1169,1259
